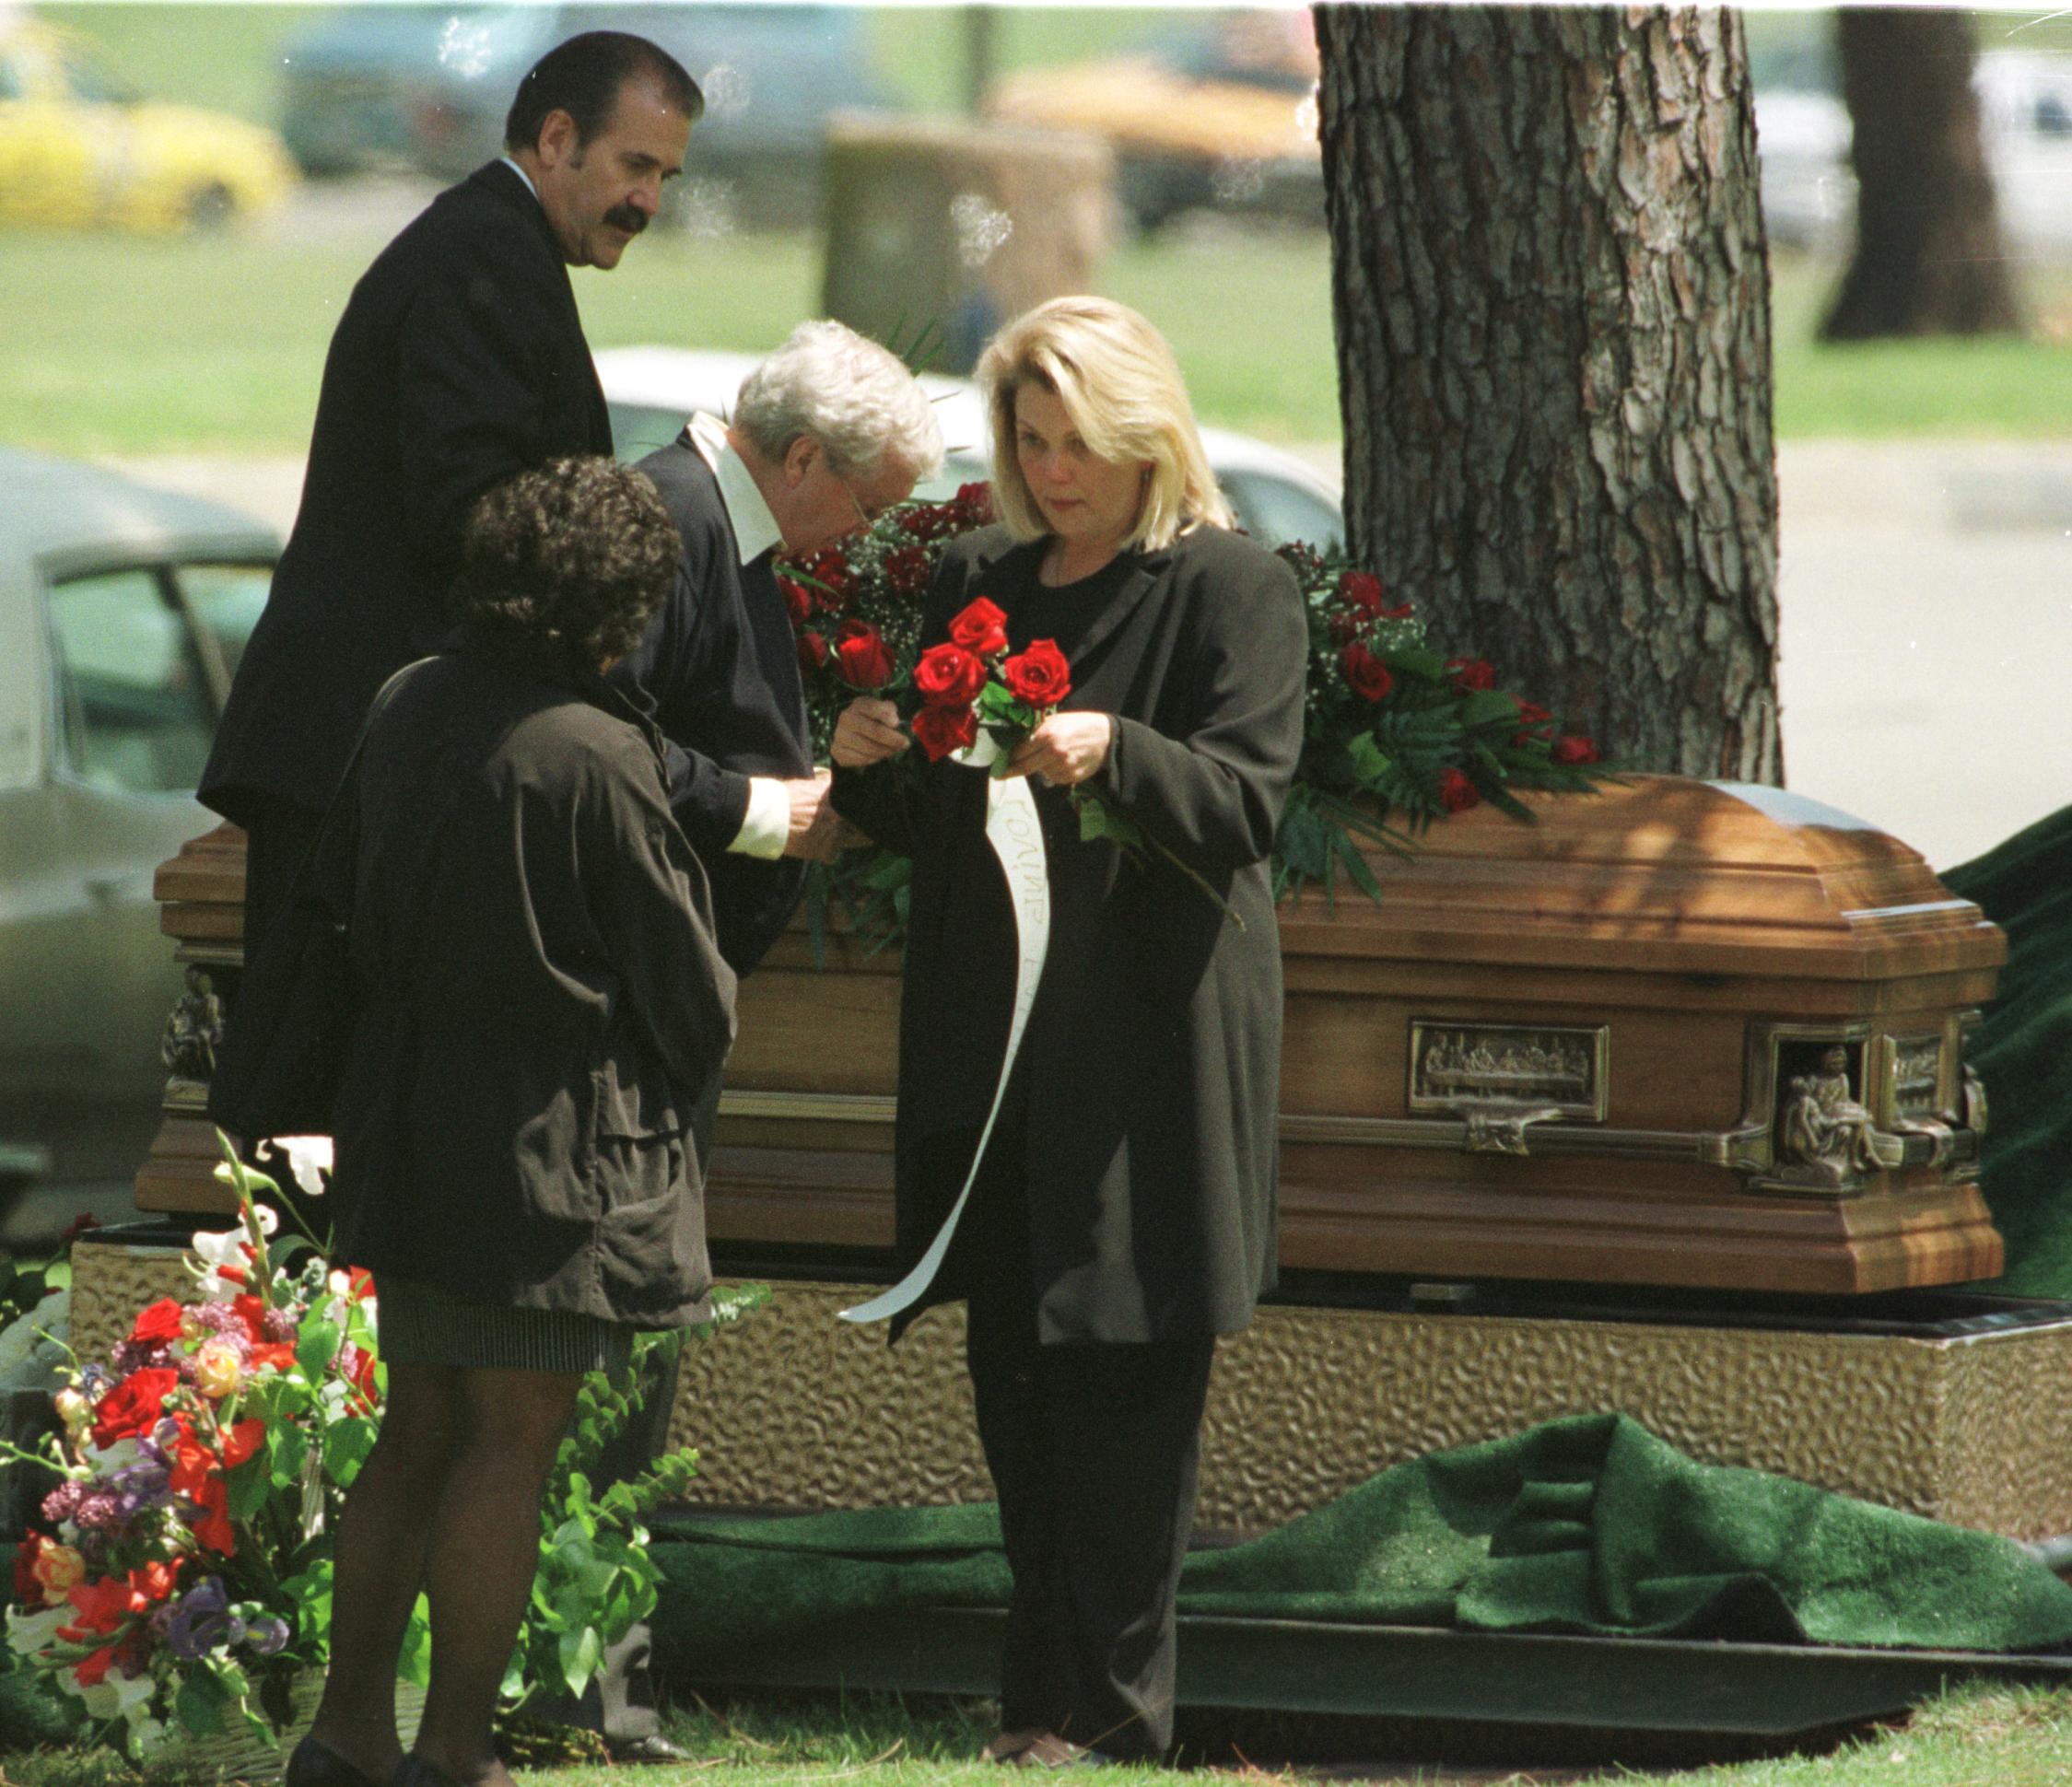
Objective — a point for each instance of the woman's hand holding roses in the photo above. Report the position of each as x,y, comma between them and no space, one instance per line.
867,731
1066,748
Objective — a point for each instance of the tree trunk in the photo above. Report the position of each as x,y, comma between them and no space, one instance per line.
1928,258
1552,309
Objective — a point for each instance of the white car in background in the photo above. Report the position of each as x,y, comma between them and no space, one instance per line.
651,391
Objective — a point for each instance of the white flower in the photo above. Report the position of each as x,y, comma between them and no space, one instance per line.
103,1461
29,1632
309,1157
216,1249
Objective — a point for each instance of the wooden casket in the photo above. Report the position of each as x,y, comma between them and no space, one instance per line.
1675,1032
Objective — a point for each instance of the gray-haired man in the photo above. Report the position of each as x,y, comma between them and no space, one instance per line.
828,433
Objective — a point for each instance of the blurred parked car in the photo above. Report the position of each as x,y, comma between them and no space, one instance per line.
76,150
1223,117
651,391
122,613
2025,122
426,88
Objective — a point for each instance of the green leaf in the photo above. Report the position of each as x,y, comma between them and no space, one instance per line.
316,1346
1416,661
1097,819
580,1654
200,1702
286,1448
1370,761
414,1663
249,1485
1489,707
347,1445
1304,845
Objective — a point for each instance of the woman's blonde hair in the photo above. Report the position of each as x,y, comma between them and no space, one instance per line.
1122,389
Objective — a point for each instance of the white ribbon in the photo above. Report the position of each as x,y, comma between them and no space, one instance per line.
1016,832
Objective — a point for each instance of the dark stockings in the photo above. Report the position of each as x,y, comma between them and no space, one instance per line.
448,1500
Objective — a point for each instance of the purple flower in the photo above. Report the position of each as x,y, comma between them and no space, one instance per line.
145,1484
59,1504
267,1635
99,1511
280,1324
203,1621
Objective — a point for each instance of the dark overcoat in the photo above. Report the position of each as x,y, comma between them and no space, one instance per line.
1151,1069
460,359
720,666
542,1004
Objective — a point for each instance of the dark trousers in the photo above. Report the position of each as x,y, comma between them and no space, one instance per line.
1095,1452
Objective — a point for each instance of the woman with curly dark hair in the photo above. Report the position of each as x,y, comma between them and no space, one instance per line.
540,1006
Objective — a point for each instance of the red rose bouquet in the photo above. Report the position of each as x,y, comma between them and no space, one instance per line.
1396,735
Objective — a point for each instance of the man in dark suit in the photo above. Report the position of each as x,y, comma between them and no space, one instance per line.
459,360
828,433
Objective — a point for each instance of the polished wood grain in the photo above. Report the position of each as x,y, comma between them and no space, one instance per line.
1676,913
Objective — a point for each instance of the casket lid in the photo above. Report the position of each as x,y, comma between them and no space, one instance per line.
1663,873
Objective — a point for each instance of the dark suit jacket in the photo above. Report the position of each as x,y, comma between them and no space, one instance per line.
542,1005
1149,1074
460,359
719,668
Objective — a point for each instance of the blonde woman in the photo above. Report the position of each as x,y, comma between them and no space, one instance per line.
1123,1212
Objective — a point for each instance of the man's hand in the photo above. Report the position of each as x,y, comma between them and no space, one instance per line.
867,732
1066,748
815,833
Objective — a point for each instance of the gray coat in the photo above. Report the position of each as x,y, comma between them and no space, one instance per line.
542,1003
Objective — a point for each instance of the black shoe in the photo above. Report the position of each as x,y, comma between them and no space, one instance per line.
654,1748
316,1764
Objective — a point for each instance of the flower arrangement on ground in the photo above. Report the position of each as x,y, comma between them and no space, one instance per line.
179,1580
1396,734
181,1574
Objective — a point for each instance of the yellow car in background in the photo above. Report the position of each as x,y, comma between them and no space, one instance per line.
1223,117
76,152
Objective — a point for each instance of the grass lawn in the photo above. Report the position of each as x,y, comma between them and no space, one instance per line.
1998,1738
123,344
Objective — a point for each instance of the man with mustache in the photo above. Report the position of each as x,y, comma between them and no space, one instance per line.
458,361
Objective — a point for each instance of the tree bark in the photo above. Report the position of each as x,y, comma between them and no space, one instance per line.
1929,257
1551,295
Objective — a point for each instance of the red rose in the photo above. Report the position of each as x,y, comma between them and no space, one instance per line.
1575,750
862,659
949,676
1366,673
1457,793
977,501
1361,590
1401,611
939,731
1039,676
907,570
1532,719
980,628
929,521
813,652
825,581
133,1405
798,599
157,1325
1472,674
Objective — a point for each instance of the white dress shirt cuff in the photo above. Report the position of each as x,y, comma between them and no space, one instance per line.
768,826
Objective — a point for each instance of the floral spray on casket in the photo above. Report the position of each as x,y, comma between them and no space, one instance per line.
1396,735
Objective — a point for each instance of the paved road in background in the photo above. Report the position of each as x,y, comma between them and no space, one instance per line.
1927,601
